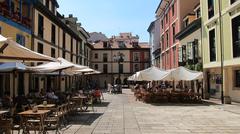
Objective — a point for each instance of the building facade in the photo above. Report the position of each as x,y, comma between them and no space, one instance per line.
154,42
15,23
37,25
170,13
221,37
189,51
136,57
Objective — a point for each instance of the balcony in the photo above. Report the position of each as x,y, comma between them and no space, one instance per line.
15,15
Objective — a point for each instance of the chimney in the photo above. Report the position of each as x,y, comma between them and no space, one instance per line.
70,15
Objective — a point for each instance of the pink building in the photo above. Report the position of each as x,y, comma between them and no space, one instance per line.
170,13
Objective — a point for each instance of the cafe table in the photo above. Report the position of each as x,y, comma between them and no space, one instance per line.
79,101
46,107
29,114
2,113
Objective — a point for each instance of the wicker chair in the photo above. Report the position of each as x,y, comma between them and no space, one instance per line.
54,119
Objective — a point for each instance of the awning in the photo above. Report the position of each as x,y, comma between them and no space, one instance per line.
10,51
182,73
12,66
63,65
151,74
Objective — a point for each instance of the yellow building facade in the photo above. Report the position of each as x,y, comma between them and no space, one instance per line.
37,25
17,27
220,46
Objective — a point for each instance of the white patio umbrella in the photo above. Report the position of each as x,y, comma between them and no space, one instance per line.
61,66
151,74
94,72
10,51
182,73
12,67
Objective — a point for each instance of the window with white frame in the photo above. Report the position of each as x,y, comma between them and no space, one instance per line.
20,39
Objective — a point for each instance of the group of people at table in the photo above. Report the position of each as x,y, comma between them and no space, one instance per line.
40,104
165,92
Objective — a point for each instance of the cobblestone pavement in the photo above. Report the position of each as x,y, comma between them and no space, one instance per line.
121,114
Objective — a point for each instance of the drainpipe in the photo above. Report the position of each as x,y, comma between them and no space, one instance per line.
222,49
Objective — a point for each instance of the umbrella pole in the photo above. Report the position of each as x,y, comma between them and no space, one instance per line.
13,84
59,80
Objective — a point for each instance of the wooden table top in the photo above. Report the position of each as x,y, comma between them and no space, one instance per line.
79,97
3,112
46,106
30,112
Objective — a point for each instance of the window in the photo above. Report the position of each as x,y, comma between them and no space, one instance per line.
53,7
167,58
80,61
71,57
163,47
233,1
173,10
71,45
81,49
64,54
121,44
40,48
64,40
210,9
53,34
105,68
198,13
186,22
20,39
173,31
162,23
212,45
237,78
76,59
77,49
167,39
136,68
47,4
53,53
105,44
120,68
174,56
40,25
166,18
136,57
236,36
96,56
96,66
105,57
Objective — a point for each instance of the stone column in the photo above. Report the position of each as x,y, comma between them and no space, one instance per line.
227,84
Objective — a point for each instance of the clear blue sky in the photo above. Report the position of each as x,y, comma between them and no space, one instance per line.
112,16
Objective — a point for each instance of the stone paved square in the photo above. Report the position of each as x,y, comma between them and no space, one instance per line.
121,114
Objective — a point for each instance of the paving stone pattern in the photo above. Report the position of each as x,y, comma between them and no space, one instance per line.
121,114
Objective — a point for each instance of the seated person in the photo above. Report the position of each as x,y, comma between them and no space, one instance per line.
51,95
6,100
97,94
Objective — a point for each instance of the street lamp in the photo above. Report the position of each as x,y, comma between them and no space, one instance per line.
119,58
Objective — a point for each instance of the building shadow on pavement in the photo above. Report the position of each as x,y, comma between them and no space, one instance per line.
202,103
102,104
81,118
